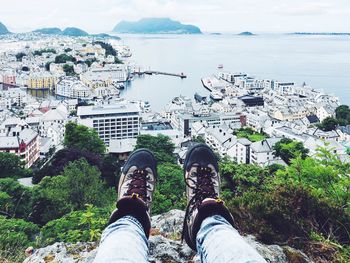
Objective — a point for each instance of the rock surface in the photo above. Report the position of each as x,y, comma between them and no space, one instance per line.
164,245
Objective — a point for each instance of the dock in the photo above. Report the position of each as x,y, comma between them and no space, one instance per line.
152,72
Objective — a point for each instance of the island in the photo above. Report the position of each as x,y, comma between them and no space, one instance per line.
74,32
156,26
321,33
246,33
49,31
3,29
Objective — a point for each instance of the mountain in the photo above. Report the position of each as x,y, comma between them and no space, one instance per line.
49,31
74,32
3,29
156,26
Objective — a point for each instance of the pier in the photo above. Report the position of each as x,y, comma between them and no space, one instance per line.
152,72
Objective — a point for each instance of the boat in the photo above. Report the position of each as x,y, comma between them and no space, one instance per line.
216,95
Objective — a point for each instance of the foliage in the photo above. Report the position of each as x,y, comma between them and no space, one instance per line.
108,47
67,50
79,184
160,145
61,159
289,149
45,50
12,166
250,134
15,199
169,193
326,179
83,138
198,139
239,178
117,60
294,204
69,70
77,226
90,61
342,114
328,124
20,55
15,236
64,58
47,65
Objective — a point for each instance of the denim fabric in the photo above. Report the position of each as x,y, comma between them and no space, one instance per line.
123,241
219,242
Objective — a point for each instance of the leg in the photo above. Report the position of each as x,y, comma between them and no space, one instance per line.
121,239
208,225
211,248
126,237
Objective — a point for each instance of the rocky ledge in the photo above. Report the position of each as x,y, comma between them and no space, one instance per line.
165,246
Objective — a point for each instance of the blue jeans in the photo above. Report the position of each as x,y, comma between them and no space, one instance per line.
217,241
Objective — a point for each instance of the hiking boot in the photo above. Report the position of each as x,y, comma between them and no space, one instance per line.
202,180
136,187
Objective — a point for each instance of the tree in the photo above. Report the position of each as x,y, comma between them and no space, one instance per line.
342,114
12,166
67,50
288,149
64,58
160,145
61,159
328,124
108,47
117,60
20,55
83,138
47,65
169,193
78,185
69,70
198,139
15,199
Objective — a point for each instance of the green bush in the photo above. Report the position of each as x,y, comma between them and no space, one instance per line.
15,236
79,184
169,193
15,199
77,226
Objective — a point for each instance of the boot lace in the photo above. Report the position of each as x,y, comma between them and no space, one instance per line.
203,188
138,184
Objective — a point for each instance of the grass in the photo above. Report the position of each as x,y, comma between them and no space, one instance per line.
250,134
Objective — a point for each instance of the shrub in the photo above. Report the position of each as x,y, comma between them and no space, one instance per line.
77,226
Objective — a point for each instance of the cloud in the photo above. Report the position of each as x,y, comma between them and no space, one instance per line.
303,9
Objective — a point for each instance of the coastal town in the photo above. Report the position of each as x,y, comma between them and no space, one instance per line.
47,81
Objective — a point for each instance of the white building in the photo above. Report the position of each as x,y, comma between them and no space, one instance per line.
71,87
261,153
113,121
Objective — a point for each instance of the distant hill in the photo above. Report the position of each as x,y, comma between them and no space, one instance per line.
3,29
156,26
321,34
49,31
74,32
246,33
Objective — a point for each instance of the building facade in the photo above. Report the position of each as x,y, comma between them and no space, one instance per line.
117,121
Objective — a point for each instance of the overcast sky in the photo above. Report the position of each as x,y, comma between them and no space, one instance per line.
209,15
